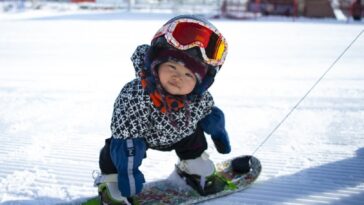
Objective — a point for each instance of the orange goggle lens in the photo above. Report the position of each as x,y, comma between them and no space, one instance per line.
190,33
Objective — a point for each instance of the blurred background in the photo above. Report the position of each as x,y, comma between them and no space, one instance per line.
235,9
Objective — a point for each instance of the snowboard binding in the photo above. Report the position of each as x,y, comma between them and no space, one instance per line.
109,193
242,165
203,185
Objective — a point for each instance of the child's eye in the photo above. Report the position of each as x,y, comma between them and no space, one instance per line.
189,75
172,67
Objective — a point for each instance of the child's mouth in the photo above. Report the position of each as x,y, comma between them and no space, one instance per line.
174,84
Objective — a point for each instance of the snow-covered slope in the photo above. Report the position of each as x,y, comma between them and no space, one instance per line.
59,76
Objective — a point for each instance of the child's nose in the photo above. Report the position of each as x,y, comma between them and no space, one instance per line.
178,75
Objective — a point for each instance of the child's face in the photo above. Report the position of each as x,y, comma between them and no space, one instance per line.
176,79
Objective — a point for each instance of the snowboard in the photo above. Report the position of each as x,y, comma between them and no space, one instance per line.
167,191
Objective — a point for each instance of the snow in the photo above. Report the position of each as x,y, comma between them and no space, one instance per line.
60,73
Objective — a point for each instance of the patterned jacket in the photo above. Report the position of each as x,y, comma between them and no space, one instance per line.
135,116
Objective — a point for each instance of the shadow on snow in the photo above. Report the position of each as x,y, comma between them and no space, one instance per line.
337,182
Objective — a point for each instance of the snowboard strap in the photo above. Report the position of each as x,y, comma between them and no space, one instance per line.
229,184
109,194
209,185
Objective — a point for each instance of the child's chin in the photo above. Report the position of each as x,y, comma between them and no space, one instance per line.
176,92
172,91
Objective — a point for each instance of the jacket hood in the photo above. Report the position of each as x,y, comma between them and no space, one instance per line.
138,59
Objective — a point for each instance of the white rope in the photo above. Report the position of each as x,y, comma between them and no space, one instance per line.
308,92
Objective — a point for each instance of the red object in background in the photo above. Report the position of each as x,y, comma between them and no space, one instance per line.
81,1
356,10
295,8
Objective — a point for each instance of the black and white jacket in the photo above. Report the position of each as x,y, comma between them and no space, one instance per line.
135,116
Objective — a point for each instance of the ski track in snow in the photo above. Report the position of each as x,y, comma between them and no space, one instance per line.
59,77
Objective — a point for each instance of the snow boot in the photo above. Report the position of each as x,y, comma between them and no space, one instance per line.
109,192
200,174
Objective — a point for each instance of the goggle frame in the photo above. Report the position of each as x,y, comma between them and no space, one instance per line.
168,30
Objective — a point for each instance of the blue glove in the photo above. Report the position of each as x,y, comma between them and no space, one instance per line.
127,156
214,124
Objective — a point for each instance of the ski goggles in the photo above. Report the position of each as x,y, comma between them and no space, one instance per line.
184,34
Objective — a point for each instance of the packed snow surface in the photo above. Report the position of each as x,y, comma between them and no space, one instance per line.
60,74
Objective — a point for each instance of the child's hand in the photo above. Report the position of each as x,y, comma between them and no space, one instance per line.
221,142
214,124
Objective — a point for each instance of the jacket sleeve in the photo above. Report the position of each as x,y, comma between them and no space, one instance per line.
127,156
214,124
